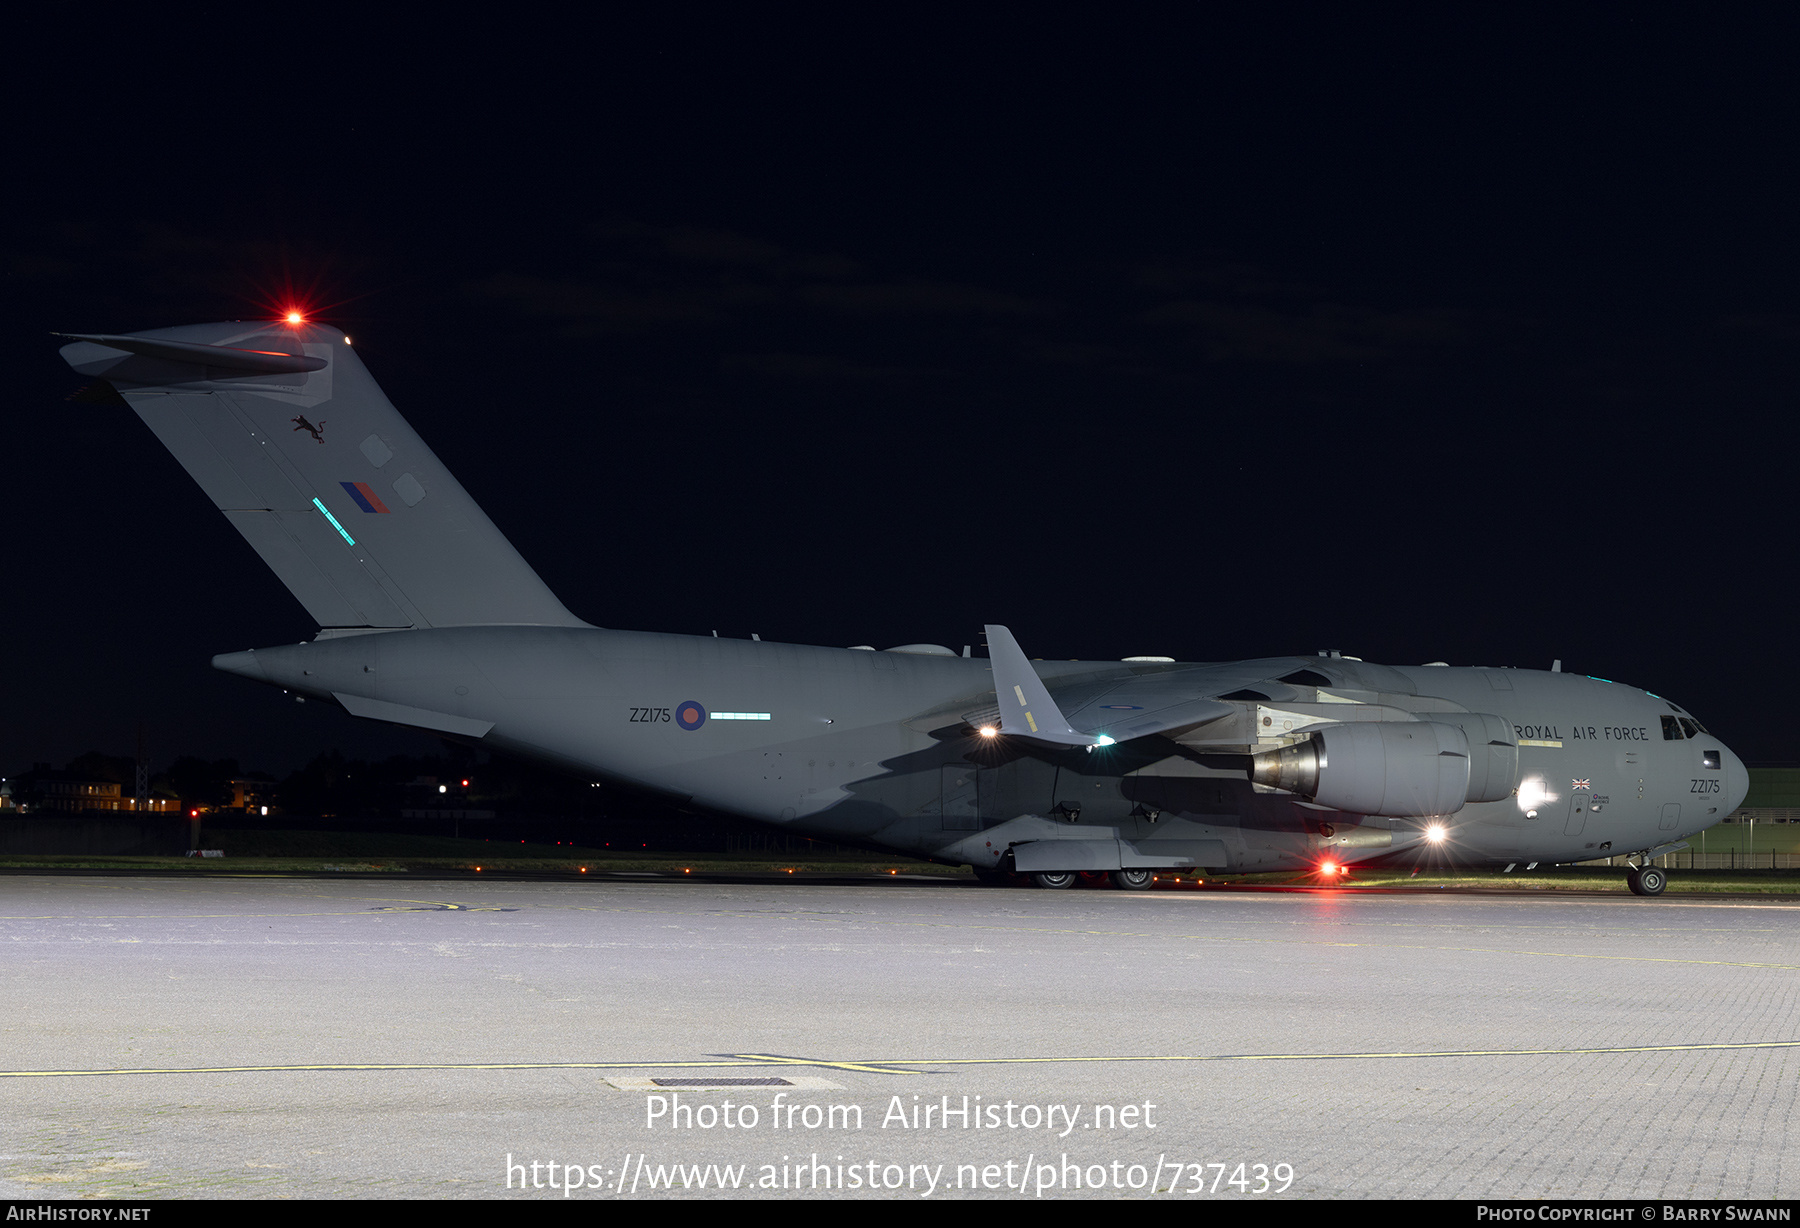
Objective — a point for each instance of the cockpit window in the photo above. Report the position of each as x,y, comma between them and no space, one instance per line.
1687,722
1671,729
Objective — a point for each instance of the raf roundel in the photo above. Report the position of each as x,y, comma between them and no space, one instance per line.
690,715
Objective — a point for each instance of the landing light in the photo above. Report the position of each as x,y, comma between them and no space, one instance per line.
988,731
1435,833
1533,795
1104,741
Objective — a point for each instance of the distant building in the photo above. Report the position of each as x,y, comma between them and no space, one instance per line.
252,796
70,796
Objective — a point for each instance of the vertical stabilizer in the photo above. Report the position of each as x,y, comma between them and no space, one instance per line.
285,430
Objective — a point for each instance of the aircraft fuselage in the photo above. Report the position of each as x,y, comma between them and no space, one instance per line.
883,748
430,618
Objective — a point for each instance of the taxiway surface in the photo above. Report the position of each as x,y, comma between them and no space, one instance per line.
342,1037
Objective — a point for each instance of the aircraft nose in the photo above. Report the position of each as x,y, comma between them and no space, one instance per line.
1737,780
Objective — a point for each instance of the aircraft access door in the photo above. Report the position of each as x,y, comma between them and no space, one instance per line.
959,800
1581,803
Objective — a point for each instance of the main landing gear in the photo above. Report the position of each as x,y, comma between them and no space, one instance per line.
1062,880
1646,880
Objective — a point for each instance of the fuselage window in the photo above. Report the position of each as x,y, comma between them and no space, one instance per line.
1710,758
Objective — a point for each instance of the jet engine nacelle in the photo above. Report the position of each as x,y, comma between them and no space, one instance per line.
1402,769
1493,754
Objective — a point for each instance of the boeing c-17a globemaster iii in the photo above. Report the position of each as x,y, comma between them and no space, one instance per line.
429,618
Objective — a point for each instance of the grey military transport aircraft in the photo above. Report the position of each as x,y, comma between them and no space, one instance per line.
1027,771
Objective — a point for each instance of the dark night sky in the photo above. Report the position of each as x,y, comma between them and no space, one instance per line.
1423,336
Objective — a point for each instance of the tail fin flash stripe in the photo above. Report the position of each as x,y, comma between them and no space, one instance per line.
365,498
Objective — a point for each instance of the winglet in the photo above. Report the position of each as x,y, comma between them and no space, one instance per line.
1026,709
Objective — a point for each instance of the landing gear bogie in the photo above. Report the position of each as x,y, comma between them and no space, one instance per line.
1063,880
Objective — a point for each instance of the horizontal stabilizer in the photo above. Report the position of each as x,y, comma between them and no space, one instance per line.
228,358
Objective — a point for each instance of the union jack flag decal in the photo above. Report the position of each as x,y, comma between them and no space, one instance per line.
1578,784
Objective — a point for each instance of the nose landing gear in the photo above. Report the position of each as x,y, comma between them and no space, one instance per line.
1646,880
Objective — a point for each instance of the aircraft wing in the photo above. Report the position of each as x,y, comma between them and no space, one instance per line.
1106,711
1131,713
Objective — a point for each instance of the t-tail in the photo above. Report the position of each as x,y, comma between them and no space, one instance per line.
287,433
